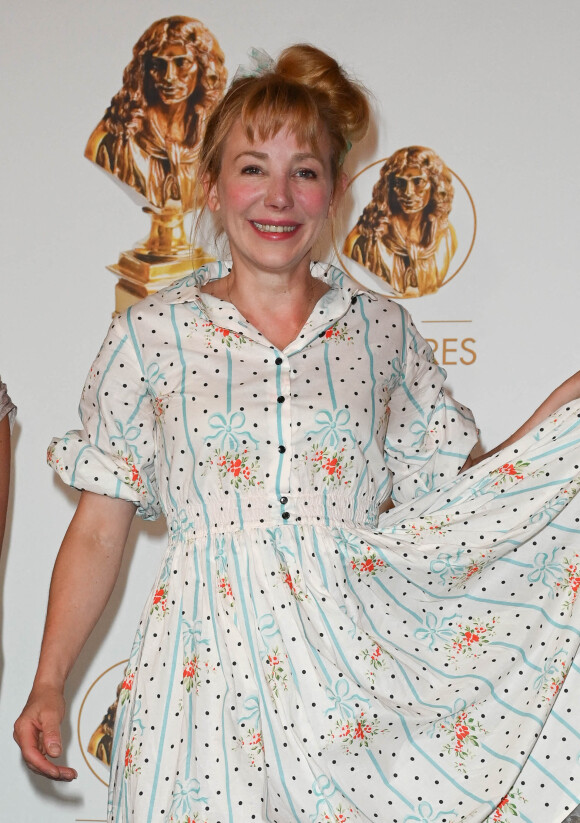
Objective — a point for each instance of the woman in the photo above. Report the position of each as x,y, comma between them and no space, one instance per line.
294,661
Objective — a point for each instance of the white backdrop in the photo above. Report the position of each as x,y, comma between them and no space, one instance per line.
492,87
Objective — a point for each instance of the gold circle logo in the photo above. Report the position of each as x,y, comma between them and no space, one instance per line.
95,722
418,228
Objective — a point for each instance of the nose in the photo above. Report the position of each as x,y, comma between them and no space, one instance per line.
170,70
279,192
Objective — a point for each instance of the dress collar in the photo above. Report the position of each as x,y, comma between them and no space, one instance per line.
187,289
329,309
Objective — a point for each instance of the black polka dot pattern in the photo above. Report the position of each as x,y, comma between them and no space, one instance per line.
300,658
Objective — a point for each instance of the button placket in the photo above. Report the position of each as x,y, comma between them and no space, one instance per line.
284,432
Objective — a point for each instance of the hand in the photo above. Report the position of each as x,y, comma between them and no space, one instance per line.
37,732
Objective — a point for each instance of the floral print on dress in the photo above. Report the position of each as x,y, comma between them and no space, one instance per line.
126,686
159,408
507,808
192,668
484,551
429,526
253,745
550,680
194,817
378,658
464,731
159,607
509,472
132,477
356,733
237,468
225,589
328,464
337,333
292,581
191,673
570,582
470,639
367,564
456,569
132,759
276,673
222,335
342,814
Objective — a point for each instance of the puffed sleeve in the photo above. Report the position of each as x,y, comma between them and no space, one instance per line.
114,453
7,407
429,435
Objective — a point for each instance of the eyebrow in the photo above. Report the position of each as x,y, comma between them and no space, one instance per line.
157,56
261,155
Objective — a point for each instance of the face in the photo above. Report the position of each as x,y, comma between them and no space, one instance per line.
174,72
273,198
412,189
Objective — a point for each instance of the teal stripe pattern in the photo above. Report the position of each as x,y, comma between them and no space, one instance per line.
301,658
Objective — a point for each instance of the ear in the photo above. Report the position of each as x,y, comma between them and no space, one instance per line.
211,194
337,194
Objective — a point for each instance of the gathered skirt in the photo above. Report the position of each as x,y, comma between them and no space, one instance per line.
425,671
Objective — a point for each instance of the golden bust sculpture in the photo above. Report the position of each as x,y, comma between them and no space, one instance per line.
404,235
150,135
149,139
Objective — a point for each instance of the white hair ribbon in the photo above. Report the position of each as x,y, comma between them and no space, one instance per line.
260,63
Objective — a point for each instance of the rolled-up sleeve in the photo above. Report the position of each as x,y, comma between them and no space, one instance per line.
114,452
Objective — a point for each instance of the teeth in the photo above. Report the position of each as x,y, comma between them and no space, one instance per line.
273,229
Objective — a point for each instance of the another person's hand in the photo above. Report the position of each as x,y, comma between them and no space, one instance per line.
37,732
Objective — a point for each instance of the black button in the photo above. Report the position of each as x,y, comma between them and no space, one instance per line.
285,515
281,399
353,300
281,449
283,499
278,361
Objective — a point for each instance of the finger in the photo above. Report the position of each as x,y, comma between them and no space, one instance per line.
60,773
27,737
50,741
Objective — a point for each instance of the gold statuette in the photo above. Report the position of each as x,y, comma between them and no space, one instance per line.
150,138
404,235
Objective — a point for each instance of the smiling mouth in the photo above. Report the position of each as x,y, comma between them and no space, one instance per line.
272,228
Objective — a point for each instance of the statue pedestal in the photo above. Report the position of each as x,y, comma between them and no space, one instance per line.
141,274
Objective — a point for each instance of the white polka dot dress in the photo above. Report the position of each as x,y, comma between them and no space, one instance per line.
300,658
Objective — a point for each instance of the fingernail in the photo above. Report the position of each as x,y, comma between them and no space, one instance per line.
54,748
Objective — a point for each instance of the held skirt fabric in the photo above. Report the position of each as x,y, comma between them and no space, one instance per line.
298,657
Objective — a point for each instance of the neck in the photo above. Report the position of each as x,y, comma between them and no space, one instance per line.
169,120
277,306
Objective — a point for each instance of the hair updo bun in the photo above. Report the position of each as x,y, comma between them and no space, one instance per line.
304,89
341,99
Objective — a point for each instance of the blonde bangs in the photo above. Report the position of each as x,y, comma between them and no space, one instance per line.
276,106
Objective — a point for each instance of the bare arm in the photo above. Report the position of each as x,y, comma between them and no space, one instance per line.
84,575
4,473
566,391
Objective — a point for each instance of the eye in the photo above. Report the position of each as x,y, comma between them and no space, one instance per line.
183,62
158,64
251,170
306,174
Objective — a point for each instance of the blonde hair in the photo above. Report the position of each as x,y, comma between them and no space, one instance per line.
305,88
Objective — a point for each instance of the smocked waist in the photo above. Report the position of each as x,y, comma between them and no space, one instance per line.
226,514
